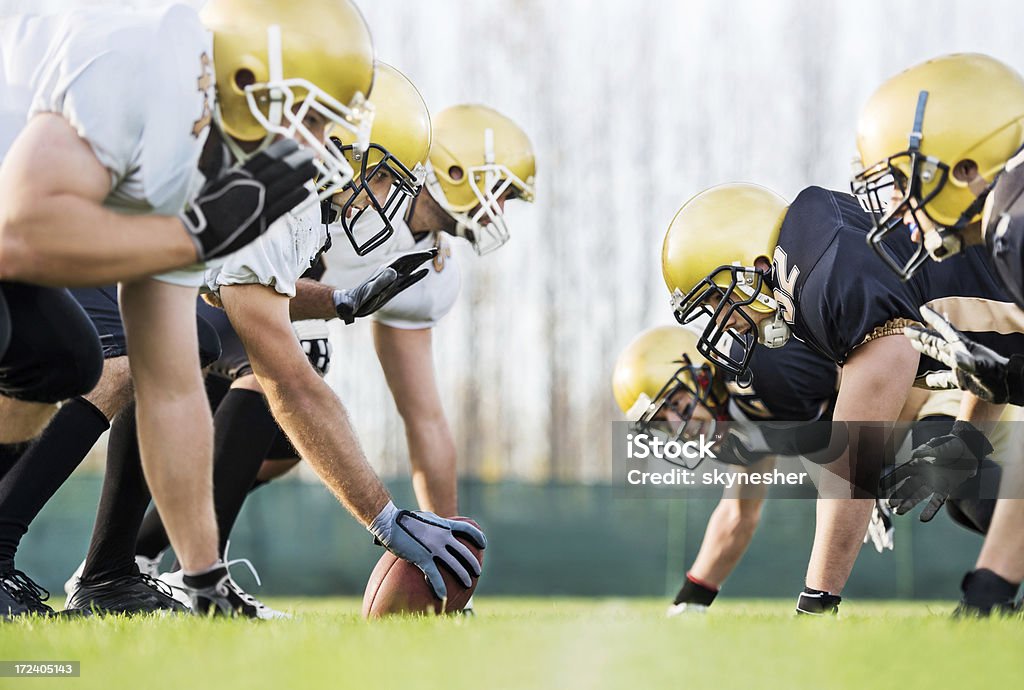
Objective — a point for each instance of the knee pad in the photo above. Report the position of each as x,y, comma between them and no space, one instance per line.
54,351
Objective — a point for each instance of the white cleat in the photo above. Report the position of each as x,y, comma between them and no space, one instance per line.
685,609
71,586
179,592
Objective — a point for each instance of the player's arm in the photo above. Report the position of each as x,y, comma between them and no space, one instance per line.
316,422
53,227
315,300
731,528
305,406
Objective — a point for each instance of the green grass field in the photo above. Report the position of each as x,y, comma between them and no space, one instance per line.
534,643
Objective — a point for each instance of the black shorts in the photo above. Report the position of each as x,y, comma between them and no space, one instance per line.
52,350
233,363
101,306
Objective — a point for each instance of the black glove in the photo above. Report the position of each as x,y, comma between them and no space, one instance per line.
378,289
936,469
238,205
976,368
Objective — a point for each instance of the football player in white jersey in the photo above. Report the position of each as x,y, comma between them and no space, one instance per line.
93,194
255,286
479,160
484,157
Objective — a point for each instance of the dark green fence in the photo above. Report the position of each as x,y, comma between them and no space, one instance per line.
545,540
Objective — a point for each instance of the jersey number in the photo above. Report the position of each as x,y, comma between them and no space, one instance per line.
786,280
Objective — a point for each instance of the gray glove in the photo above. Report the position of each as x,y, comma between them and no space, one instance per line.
426,540
377,290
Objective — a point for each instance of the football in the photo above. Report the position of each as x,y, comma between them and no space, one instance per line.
397,586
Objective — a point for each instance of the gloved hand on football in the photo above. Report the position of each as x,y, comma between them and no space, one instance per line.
426,540
974,367
936,469
377,290
239,204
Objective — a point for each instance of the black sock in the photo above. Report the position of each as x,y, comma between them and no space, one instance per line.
817,602
123,503
243,430
694,591
43,467
983,591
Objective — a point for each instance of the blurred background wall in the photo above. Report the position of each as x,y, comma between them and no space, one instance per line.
633,107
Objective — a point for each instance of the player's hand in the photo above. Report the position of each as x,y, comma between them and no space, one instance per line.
880,528
239,204
382,286
427,540
936,469
977,369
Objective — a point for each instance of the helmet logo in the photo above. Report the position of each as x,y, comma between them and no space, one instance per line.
205,85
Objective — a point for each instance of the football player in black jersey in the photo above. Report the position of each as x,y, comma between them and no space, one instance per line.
661,377
938,141
739,254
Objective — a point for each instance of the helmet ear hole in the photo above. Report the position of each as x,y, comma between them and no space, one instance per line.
965,170
456,173
243,78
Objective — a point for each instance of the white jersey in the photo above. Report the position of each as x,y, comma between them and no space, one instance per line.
138,87
420,306
279,257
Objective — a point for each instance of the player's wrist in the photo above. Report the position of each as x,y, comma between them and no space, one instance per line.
343,305
381,526
972,437
696,591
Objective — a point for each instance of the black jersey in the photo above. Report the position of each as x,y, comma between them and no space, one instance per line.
1004,231
835,292
791,383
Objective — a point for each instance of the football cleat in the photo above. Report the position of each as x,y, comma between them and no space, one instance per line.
147,566
216,593
813,602
128,594
174,580
20,596
686,608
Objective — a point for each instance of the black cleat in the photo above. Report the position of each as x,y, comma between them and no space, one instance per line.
20,596
129,594
214,593
814,602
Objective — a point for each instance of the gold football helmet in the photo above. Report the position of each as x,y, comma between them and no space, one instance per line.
709,261
275,62
661,377
399,146
914,133
479,159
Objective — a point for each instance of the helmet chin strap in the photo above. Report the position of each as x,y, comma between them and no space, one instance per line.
773,332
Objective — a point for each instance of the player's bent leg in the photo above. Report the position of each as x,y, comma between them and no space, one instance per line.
407,359
160,325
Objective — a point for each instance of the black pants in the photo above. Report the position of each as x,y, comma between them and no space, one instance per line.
53,351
